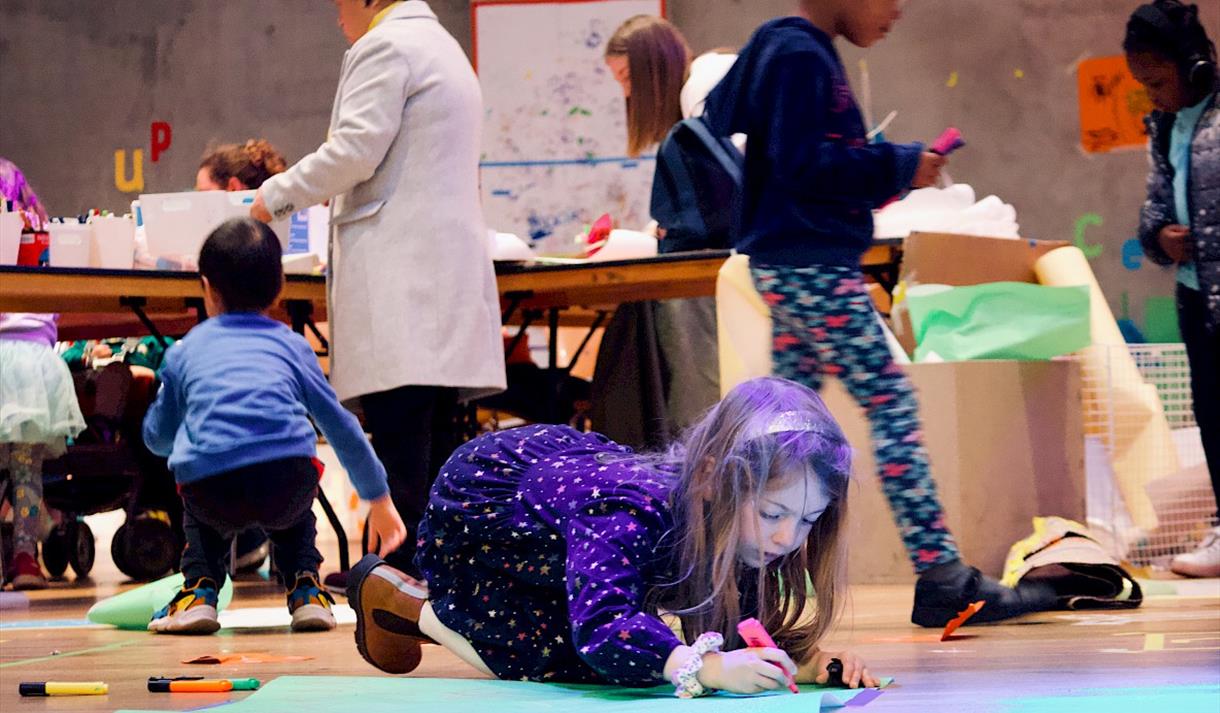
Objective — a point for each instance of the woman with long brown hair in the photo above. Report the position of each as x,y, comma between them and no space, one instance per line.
651,61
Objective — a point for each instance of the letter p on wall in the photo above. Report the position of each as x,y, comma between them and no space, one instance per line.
161,136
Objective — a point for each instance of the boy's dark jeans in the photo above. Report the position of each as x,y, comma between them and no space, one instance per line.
277,496
1203,350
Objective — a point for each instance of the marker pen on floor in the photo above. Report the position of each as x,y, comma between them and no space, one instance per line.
63,688
196,685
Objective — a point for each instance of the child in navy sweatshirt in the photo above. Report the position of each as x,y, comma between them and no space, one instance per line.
233,417
812,180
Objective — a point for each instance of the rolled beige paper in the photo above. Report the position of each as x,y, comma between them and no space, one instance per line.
743,325
1120,407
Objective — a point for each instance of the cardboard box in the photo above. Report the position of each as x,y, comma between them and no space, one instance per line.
962,260
1006,443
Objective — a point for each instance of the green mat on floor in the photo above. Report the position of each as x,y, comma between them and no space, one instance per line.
305,694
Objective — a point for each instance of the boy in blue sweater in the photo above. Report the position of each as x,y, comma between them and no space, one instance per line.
812,180
233,417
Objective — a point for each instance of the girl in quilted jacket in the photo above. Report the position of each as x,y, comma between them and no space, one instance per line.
1169,52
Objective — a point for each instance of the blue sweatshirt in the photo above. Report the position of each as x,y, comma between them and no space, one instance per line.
238,390
812,179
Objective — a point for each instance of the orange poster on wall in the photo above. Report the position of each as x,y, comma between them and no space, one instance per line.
1112,105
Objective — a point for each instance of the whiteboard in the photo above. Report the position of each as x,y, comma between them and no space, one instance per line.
555,127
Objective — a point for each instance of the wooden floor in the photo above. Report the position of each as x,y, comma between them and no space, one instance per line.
1163,657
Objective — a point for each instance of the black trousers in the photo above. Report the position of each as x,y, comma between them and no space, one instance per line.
276,496
1203,351
414,431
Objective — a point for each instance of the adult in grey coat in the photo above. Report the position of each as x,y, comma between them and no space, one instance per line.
413,307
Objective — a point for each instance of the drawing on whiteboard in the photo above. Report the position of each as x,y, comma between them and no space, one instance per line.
555,131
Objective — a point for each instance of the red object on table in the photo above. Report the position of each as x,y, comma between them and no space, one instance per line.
33,245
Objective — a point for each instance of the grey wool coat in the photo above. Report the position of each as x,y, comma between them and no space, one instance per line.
411,292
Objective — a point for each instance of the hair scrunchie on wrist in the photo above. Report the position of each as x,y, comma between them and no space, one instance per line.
686,678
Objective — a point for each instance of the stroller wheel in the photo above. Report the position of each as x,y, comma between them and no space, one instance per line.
145,548
118,549
55,552
83,548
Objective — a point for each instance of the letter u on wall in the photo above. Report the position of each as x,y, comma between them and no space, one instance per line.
136,183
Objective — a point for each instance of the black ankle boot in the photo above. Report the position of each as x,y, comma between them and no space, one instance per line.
945,590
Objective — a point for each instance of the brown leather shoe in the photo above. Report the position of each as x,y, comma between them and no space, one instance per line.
387,603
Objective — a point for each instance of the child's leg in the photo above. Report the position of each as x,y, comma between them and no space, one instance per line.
206,549
825,323
295,553
1203,353
450,639
793,355
294,548
194,609
25,469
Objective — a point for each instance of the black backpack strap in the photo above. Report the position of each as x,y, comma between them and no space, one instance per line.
729,158
670,159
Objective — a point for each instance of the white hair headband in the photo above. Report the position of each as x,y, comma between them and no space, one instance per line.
791,422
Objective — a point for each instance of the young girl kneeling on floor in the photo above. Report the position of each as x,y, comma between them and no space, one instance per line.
550,553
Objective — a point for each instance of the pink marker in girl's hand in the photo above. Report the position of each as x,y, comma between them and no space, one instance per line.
755,636
948,142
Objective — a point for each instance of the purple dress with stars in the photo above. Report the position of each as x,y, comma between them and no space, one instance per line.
540,545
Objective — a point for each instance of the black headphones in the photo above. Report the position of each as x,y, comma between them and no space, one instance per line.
1200,65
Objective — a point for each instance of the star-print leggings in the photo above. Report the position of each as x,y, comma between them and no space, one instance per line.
25,475
824,324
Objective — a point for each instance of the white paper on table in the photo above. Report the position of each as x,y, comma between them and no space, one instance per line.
506,247
626,245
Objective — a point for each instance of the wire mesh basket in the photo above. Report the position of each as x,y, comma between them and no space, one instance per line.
1149,492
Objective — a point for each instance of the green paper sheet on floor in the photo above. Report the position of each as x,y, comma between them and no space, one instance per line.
134,608
305,694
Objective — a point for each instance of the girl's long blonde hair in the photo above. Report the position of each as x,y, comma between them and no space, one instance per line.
766,430
658,60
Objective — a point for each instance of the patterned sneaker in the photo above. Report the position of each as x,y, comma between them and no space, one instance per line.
387,604
1204,561
26,574
310,605
191,611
